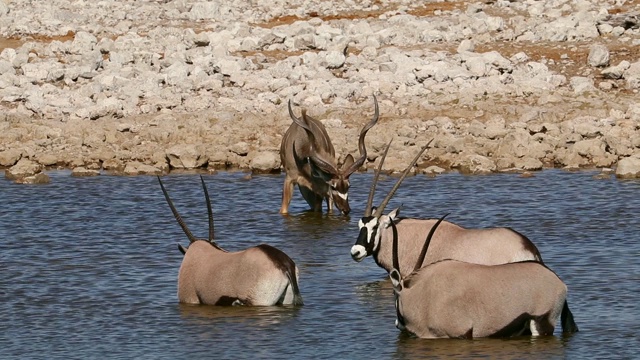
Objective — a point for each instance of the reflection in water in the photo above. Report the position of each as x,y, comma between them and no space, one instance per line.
251,315
409,347
90,266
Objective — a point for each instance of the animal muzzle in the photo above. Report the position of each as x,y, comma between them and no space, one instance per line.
358,252
342,202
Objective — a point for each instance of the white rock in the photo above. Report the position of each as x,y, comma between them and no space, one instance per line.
598,55
204,10
335,59
581,84
617,71
466,45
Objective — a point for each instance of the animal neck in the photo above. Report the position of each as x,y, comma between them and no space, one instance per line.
382,252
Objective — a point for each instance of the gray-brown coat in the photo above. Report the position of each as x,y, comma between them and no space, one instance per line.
455,299
489,246
260,275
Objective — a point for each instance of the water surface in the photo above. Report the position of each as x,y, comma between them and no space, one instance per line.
90,265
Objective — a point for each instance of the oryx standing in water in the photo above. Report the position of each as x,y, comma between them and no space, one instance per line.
309,160
260,275
489,246
455,299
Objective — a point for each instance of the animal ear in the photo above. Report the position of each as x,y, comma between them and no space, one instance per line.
182,249
394,213
348,161
384,221
396,281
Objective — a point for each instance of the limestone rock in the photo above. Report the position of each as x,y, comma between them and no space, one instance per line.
629,167
23,168
265,162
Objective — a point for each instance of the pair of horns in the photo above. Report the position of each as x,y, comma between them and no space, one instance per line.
372,190
181,222
326,165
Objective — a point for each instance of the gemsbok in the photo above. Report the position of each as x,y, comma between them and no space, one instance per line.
490,246
308,157
455,299
261,275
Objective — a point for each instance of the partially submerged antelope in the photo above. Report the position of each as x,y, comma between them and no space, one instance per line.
309,160
260,275
455,299
489,246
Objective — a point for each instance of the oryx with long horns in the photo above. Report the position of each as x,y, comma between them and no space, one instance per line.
489,246
309,160
455,299
260,275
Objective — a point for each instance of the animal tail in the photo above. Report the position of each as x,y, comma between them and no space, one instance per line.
287,266
566,318
293,280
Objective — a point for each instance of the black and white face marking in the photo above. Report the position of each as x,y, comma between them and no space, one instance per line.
368,239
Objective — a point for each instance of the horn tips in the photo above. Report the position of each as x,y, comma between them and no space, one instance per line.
291,110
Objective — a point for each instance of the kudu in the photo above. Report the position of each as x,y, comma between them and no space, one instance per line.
489,246
260,275
309,160
455,299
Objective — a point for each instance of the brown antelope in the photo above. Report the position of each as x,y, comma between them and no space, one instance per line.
490,246
455,299
309,160
260,275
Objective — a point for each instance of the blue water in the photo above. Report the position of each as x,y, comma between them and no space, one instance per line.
89,266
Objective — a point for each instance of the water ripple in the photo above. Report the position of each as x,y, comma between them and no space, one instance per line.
90,266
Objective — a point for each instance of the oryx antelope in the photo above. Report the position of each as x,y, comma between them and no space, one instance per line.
489,246
260,275
309,160
455,299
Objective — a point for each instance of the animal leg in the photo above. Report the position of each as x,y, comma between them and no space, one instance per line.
287,194
541,325
314,200
329,203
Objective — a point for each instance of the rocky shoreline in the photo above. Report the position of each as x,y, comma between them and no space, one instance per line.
146,87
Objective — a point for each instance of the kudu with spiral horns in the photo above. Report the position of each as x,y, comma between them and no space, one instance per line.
309,160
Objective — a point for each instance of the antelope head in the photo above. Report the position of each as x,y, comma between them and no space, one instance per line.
373,220
323,164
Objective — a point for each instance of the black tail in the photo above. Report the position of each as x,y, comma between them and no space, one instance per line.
568,324
293,279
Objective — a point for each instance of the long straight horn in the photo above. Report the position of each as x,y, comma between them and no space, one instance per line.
209,210
372,190
384,203
361,147
425,247
176,215
394,244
